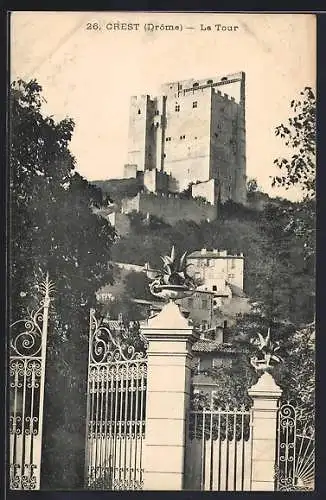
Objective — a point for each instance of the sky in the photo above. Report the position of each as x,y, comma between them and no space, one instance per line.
90,74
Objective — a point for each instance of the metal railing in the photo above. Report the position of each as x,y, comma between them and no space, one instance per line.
116,405
218,451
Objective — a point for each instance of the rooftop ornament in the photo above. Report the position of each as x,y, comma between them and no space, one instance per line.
267,357
173,281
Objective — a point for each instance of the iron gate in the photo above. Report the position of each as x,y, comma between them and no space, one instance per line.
218,451
28,339
116,399
295,454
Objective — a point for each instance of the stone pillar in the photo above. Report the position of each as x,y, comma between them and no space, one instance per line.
265,394
170,338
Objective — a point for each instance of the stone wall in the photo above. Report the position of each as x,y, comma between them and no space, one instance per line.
171,208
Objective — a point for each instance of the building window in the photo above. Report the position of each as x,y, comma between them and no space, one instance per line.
182,136
177,107
214,288
139,111
194,104
164,156
168,139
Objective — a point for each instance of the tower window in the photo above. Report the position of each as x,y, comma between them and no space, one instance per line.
168,139
194,104
182,136
139,111
177,107
214,288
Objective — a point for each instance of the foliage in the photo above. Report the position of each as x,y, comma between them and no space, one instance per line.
200,199
140,222
137,286
53,228
297,374
252,185
300,136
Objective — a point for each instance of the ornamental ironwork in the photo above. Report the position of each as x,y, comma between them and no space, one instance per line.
295,462
27,339
116,405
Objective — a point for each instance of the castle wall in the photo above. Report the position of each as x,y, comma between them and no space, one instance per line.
130,171
187,137
206,190
156,181
170,208
141,137
224,149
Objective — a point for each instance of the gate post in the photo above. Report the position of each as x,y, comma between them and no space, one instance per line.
265,394
170,338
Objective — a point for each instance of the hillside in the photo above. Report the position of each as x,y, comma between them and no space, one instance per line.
276,271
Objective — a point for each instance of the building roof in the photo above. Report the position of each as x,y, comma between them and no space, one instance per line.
212,254
214,346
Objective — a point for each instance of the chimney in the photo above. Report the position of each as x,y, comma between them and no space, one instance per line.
203,251
215,251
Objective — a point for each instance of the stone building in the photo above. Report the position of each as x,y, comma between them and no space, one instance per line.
217,270
192,134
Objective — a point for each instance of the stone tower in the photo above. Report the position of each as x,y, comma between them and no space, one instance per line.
195,134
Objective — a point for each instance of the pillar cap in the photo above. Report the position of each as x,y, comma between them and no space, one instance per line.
265,387
170,318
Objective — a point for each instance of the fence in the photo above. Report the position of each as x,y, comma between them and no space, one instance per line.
218,451
28,338
116,400
295,458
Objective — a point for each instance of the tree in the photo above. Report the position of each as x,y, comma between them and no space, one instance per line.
53,228
300,136
252,186
300,170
